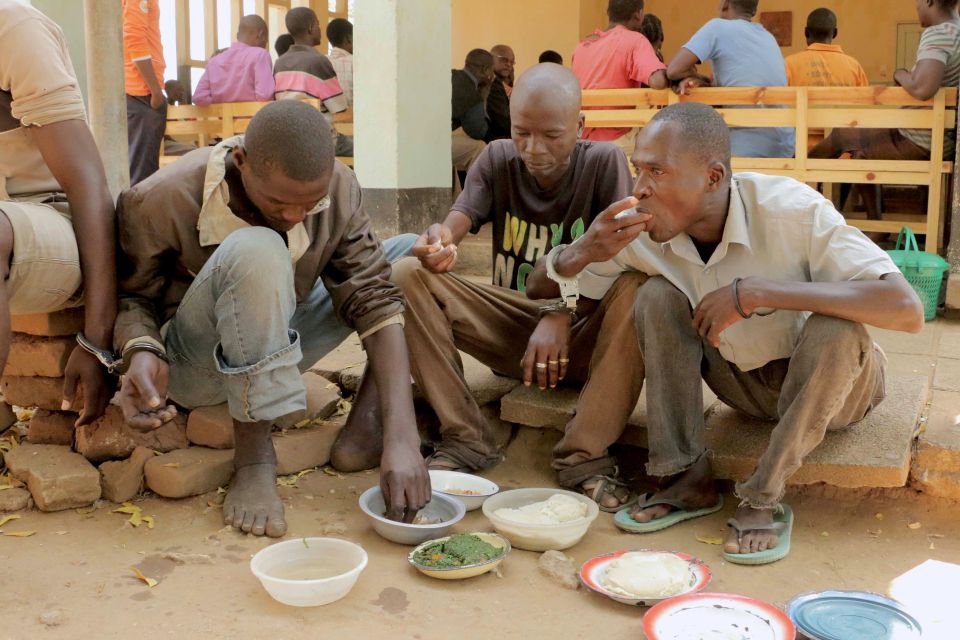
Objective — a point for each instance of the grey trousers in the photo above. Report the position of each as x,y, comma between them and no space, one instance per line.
833,379
145,129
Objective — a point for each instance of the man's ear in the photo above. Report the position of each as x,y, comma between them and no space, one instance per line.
581,123
240,157
717,176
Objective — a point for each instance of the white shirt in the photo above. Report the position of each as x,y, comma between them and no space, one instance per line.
342,61
776,228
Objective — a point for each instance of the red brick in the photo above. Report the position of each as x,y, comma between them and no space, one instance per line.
109,438
46,393
33,356
51,427
7,416
14,499
211,427
56,477
189,472
306,448
121,480
61,323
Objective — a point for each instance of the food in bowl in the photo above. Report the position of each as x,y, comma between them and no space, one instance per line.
458,550
647,575
557,509
462,492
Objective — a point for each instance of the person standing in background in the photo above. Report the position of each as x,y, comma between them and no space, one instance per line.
143,75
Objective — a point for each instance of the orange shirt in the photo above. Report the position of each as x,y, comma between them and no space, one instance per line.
141,41
824,65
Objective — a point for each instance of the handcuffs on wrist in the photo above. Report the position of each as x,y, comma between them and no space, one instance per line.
113,364
560,307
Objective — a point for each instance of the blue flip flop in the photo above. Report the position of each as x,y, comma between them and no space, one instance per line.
679,514
782,526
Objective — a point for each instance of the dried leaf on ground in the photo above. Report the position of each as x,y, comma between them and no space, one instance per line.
305,472
287,481
330,471
171,465
5,519
19,534
343,407
878,516
4,487
135,512
149,521
85,510
875,533
150,582
709,539
914,525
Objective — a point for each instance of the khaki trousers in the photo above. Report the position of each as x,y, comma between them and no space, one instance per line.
493,324
833,379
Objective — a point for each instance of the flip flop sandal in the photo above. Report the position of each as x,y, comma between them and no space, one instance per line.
440,461
782,526
624,521
608,485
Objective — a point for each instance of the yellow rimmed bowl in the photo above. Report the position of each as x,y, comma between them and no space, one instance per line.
466,571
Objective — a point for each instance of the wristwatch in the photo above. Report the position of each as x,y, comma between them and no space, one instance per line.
113,364
569,287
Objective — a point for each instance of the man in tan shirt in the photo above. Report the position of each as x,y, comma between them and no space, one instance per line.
56,214
759,287
236,262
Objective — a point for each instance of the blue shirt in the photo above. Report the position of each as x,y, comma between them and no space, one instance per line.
744,54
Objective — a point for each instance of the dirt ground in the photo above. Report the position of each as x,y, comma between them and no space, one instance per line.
73,578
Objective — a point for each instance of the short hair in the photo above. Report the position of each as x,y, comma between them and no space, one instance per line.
652,28
299,20
821,23
623,10
284,42
947,5
291,137
702,129
748,7
550,56
480,58
338,31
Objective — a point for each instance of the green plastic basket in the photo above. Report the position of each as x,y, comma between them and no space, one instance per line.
924,271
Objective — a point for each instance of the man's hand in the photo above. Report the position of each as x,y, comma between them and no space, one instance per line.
157,100
85,370
143,392
717,312
900,76
435,249
404,481
687,84
547,351
616,227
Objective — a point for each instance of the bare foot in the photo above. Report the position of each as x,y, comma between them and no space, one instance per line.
252,504
359,445
751,541
695,488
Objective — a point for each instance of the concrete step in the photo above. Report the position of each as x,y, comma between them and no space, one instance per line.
873,453
936,466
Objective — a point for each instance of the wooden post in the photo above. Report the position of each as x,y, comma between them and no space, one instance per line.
932,238
953,248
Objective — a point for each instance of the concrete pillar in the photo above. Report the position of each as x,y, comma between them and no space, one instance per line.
106,95
402,112
953,248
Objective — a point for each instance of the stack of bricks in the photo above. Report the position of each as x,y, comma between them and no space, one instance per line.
191,455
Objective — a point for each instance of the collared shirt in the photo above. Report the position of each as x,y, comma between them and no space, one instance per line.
304,72
342,61
161,250
940,42
38,87
824,65
240,74
776,228
615,59
141,41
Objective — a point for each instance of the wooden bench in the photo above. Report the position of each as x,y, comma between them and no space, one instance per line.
814,108
202,125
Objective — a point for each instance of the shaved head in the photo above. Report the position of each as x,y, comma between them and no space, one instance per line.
291,137
701,129
252,30
548,83
303,24
821,25
501,49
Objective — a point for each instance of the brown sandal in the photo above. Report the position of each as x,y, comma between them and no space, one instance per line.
608,486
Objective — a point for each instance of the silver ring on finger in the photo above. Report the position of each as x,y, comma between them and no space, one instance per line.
541,365
552,362
564,360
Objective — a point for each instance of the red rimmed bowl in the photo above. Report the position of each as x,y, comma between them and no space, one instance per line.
717,616
593,571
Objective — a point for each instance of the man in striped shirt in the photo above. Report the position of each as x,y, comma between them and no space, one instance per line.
304,72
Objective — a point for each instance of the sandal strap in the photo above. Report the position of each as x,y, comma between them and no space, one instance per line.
646,503
573,477
740,528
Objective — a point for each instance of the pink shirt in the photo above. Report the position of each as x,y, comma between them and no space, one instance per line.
240,74
614,59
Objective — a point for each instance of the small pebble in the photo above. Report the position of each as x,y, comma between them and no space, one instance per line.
52,618
559,567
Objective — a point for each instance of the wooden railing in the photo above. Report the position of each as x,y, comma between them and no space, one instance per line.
807,110
202,125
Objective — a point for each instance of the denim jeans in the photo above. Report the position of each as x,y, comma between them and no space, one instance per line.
239,335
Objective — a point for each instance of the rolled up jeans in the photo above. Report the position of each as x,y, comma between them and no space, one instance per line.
239,335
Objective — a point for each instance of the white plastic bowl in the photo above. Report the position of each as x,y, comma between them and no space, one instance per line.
443,481
284,569
538,537
444,508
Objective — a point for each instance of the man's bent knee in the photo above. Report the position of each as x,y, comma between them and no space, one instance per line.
833,333
255,249
658,295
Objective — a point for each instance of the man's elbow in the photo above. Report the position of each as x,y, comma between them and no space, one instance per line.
659,80
911,312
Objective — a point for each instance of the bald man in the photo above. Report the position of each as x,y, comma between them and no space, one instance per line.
538,190
242,73
498,102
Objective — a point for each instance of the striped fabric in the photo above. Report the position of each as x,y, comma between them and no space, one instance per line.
303,82
940,42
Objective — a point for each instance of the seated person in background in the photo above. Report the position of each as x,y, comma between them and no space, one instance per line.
283,43
498,102
287,266
652,28
551,56
823,64
242,73
57,244
176,93
938,65
757,286
304,72
469,120
743,54
340,35
619,57
540,189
